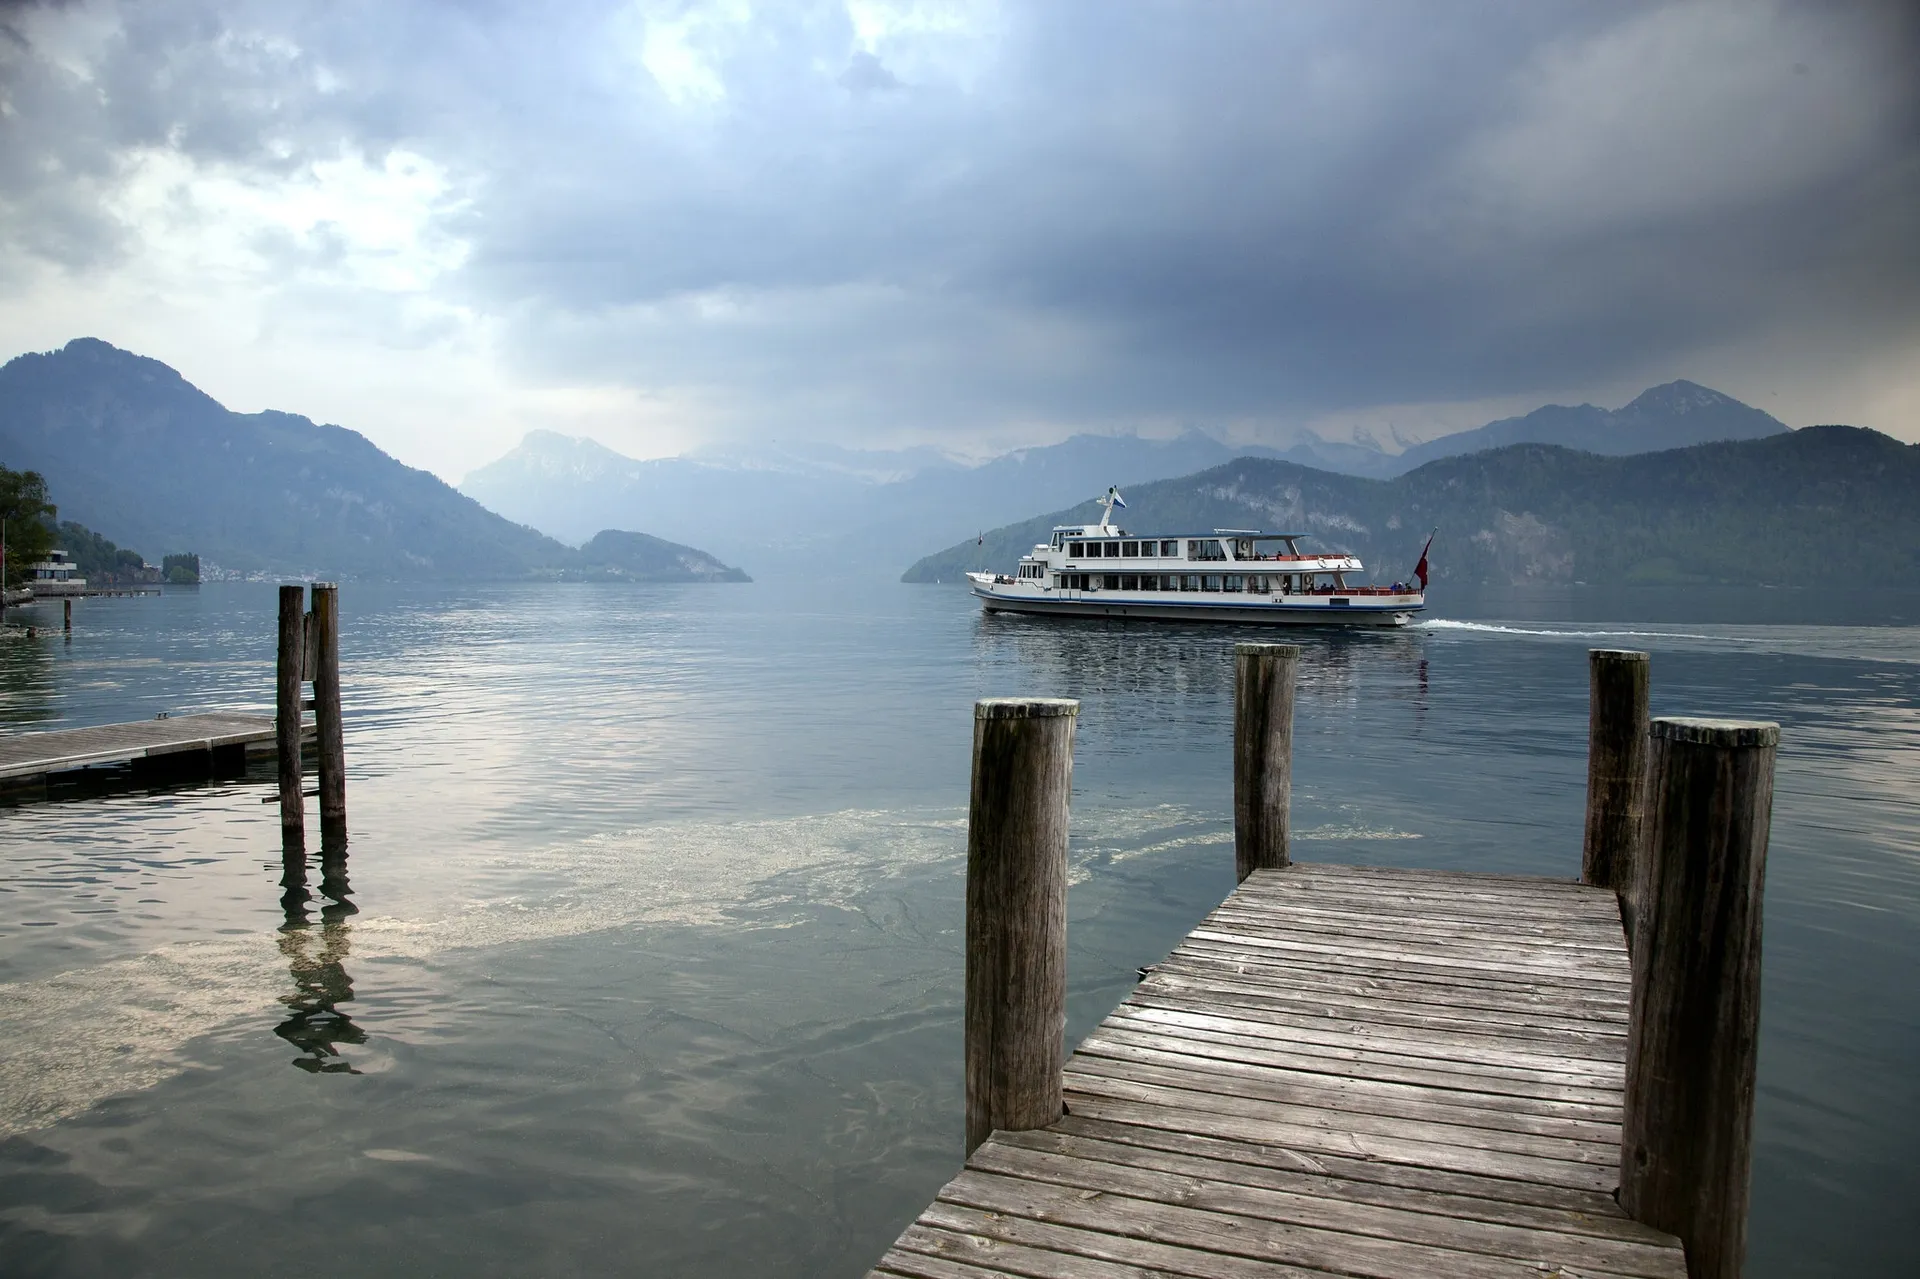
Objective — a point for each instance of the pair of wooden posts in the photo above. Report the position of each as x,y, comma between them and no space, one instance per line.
310,650
1677,820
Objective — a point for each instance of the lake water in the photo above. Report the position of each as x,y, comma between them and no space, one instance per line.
656,965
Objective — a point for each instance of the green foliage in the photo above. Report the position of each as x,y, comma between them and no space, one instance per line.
29,516
97,558
181,570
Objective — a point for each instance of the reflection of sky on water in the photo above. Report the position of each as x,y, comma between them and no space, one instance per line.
659,905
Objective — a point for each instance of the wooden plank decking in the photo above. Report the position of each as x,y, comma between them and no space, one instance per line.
1341,1071
24,755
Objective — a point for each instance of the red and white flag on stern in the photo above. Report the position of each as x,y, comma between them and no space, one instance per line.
1420,569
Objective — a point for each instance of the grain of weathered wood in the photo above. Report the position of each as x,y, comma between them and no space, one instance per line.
1616,772
1263,676
1309,1085
1231,1162
1017,913
289,668
1225,985
1199,1185
25,755
328,728
1686,1151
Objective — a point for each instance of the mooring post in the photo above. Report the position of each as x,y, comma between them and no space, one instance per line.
288,672
66,616
1263,677
326,712
1616,774
1016,1021
1686,1141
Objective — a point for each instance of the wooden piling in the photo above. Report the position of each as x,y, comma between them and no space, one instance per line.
1686,1140
1616,773
326,712
1263,679
66,616
1017,913
286,707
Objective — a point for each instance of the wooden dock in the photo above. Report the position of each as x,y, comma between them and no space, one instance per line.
1340,1071
1369,1072
27,756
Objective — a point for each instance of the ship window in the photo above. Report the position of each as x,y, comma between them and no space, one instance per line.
1151,582
1257,584
1234,581
1170,550
1130,582
1213,582
1189,582
1205,549
1113,550
1130,550
1073,549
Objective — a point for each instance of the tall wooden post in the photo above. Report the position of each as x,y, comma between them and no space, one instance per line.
1616,773
288,672
66,616
326,712
1017,913
1686,1142
1263,677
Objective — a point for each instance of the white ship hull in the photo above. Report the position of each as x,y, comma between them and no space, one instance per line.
1160,606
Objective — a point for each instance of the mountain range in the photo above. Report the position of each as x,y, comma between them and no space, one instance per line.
1787,509
131,448
831,510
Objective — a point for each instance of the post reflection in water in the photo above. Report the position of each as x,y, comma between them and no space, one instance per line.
316,960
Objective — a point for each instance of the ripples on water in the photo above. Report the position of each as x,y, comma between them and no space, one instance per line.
656,959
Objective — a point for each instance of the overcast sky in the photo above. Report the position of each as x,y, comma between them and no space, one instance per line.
976,225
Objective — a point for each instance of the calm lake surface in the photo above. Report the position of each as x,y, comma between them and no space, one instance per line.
656,965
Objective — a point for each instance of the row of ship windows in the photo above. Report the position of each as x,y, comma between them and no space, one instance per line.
1258,584
1205,548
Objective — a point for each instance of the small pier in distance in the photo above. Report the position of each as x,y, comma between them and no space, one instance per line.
1349,1071
214,742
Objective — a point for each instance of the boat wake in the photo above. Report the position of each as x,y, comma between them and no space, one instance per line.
1491,628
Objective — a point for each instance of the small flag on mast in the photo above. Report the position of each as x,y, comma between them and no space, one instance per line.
1420,569
1114,493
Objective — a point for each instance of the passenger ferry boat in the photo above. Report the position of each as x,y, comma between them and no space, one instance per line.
1226,575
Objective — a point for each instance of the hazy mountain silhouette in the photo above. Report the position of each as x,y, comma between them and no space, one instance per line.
1665,417
130,447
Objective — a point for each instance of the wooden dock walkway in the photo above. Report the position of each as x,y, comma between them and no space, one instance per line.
25,756
1340,1071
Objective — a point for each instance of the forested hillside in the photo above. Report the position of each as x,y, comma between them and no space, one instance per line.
1798,508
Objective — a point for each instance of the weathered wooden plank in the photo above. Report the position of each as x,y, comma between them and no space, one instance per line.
1460,1140
1201,1186
1231,1233
1173,991
1442,1194
1164,1109
1074,1241
1592,1122
1409,957
1203,963
1489,1089
1145,1127
1224,986
1597,941
926,1248
1456,982
1603,1073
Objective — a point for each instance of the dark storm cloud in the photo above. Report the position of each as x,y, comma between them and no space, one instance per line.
1064,212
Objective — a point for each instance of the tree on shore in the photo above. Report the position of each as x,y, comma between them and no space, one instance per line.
29,516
